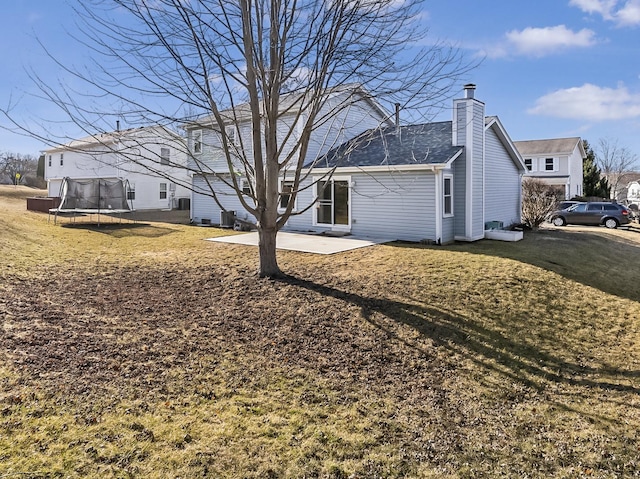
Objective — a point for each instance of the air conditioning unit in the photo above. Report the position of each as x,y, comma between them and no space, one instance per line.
227,219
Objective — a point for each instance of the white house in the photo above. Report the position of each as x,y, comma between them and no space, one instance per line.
557,162
152,159
435,182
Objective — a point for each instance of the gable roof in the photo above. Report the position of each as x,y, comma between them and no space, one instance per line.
144,133
422,144
289,103
495,124
552,146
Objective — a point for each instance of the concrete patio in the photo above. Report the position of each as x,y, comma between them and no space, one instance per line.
306,243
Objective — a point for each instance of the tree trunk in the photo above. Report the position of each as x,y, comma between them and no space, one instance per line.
267,248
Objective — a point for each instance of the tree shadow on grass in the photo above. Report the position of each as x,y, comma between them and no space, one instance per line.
487,348
123,230
598,259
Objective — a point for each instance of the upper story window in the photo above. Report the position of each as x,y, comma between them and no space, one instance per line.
61,159
549,164
232,135
197,142
164,156
528,162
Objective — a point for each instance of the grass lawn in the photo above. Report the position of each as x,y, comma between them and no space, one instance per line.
140,350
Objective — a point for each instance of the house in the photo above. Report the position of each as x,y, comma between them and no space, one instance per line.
629,193
346,112
152,159
556,162
435,182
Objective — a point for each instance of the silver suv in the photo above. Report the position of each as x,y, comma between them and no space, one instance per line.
610,215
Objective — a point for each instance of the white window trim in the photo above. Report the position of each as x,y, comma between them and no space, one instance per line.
555,164
197,141
446,177
295,201
334,226
165,160
232,134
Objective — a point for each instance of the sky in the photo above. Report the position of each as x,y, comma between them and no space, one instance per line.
547,69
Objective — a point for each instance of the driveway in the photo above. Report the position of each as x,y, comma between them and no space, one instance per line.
306,243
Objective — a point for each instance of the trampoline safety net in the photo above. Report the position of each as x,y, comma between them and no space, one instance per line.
94,195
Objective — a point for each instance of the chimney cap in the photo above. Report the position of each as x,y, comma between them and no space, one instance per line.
469,89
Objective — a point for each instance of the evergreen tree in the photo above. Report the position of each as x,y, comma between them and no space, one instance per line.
594,183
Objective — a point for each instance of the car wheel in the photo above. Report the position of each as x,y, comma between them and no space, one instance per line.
558,221
610,223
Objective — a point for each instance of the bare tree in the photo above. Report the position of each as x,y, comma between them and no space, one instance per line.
16,166
538,200
614,161
168,61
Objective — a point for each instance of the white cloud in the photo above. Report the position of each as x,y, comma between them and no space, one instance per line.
589,102
539,42
542,41
622,12
629,15
603,7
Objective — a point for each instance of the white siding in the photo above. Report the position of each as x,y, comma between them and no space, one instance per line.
141,156
502,183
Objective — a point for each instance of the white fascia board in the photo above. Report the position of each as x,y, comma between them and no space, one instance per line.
379,169
515,155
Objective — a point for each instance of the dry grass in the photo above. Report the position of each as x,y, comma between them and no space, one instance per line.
143,351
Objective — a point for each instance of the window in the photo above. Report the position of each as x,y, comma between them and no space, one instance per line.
197,142
528,162
49,160
61,158
286,188
447,191
593,207
549,164
246,187
164,156
163,191
232,135
131,192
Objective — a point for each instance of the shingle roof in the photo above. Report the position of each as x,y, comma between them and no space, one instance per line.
560,146
423,144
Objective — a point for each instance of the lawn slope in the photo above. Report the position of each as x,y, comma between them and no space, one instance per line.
140,350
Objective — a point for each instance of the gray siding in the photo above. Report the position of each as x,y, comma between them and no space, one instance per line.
384,205
205,207
478,169
502,199
459,195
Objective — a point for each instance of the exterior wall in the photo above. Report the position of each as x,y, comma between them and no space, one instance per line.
99,162
335,124
459,195
502,183
389,205
204,207
576,174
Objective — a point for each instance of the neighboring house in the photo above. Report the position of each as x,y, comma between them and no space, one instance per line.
435,182
151,159
631,192
557,162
